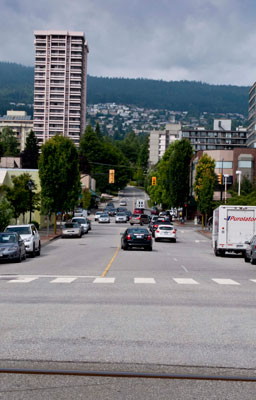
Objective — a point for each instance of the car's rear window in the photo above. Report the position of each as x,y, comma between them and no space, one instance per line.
71,225
22,230
144,231
104,215
7,238
165,228
80,220
121,214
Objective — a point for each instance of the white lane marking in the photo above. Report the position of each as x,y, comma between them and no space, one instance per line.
183,267
185,281
175,259
225,282
47,276
253,280
104,280
144,280
63,280
24,280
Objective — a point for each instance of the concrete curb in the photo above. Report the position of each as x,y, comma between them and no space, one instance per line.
49,240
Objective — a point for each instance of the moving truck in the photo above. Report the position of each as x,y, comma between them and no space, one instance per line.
232,226
140,203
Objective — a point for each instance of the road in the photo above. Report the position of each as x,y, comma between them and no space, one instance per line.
86,304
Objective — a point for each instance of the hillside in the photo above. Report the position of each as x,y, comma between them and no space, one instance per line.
16,85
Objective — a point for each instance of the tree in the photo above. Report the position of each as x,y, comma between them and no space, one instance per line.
59,175
9,142
205,182
20,197
87,197
6,213
30,155
179,166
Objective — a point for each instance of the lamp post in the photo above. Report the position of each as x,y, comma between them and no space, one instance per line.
239,173
30,186
225,180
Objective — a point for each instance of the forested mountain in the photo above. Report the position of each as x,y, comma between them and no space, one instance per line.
16,85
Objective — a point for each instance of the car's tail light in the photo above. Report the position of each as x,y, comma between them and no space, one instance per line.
128,237
157,231
173,231
155,226
138,217
149,237
130,217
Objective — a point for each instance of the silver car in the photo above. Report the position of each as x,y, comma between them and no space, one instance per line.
30,235
104,218
12,247
121,217
250,251
71,229
83,222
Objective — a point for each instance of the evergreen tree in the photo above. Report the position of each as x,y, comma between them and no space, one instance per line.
30,155
9,143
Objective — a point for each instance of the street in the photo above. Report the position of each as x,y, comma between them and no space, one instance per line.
89,303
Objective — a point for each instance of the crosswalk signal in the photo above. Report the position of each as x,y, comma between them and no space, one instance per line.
153,180
111,176
220,179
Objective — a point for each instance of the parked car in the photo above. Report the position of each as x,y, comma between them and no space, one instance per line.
123,202
165,232
83,222
136,237
104,218
121,217
29,234
250,251
135,219
12,247
97,215
80,212
71,229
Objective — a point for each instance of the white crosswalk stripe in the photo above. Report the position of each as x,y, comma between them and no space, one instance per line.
63,280
144,280
185,281
226,282
22,280
104,280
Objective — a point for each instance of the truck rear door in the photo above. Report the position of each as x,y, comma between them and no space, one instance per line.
240,226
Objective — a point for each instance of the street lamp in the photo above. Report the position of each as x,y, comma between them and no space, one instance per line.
225,181
239,173
30,186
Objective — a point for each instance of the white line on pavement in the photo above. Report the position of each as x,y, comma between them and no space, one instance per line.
104,280
185,281
24,280
183,267
63,280
144,280
226,282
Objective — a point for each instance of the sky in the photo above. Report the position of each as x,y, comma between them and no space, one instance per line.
211,41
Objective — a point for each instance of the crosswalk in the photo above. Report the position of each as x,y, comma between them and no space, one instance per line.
52,279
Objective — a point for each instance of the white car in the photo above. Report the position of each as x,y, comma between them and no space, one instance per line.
97,215
29,235
165,232
71,229
121,217
83,222
123,202
104,218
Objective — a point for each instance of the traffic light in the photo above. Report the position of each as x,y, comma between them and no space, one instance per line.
153,180
111,176
220,179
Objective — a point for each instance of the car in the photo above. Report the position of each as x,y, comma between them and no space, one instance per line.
166,215
165,232
12,247
111,211
144,219
135,219
154,211
159,221
83,222
137,211
110,204
104,218
123,202
250,251
153,219
71,229
80,212
30,235
136,237
121,209
128,214
97,215
121,217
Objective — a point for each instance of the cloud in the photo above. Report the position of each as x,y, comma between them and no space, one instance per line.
208,40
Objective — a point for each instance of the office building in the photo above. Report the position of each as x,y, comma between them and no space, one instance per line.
251,137
20,123
60,84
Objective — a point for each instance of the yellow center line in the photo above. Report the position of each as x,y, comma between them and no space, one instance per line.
110,263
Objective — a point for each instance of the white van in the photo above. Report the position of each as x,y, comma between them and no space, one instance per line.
140,203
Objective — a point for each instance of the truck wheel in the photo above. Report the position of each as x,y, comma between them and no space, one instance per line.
216,251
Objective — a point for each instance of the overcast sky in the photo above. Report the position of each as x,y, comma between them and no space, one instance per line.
204,40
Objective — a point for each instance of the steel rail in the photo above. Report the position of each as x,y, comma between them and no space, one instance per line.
120,374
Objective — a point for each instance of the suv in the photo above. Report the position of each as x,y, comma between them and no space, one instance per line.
29,235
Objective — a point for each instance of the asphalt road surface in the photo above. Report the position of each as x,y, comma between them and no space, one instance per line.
84,304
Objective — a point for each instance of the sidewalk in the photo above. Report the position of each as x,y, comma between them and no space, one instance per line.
205,232
46,237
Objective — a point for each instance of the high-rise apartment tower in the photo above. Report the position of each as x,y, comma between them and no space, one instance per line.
60,84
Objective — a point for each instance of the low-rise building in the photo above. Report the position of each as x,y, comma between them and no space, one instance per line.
20,123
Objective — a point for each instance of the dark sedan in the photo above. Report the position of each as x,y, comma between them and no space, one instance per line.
136,237
12,247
